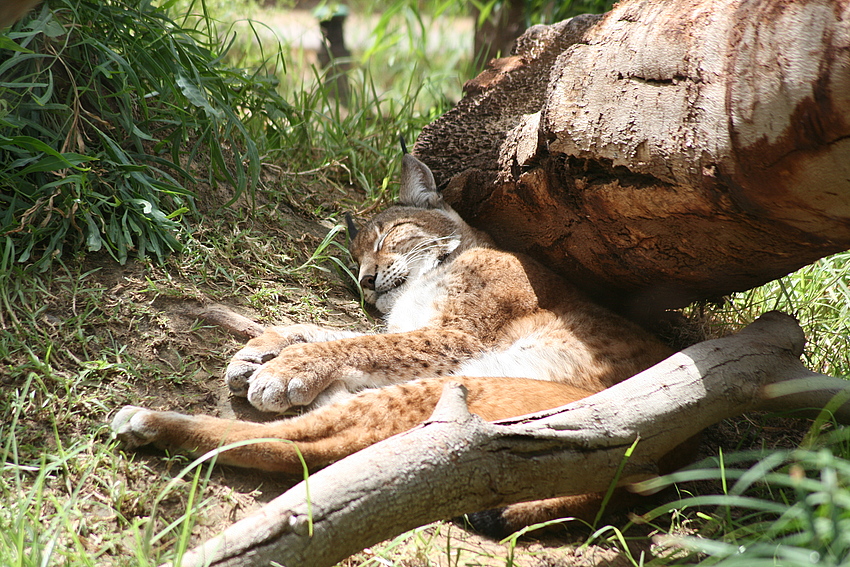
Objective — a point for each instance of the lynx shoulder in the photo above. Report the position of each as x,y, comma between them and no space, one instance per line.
456,308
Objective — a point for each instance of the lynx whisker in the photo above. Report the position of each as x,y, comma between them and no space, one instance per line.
421,249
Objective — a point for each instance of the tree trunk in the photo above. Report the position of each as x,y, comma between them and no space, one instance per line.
457,463
663,153
497,34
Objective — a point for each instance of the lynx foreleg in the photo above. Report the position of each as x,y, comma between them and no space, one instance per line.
260,350
300,372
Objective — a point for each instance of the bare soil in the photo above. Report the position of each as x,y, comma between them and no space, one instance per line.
172,338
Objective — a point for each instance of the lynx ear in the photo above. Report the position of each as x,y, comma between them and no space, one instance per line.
418,188
352,228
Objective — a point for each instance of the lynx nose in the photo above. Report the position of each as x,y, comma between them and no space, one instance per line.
368,281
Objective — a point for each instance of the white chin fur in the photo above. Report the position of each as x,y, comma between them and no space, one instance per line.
384,302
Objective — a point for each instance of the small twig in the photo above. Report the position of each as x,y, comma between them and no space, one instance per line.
452,405
280,171
224,317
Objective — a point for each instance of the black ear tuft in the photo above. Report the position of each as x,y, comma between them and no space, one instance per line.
352,228
403,145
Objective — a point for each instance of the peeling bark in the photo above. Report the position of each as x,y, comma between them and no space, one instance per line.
456,463
665,153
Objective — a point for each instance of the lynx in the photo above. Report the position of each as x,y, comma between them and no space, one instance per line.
456,309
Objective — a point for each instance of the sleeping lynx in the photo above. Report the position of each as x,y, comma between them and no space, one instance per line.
456,308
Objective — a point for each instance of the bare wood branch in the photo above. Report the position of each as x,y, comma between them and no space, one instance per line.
224,317
457,463
810,392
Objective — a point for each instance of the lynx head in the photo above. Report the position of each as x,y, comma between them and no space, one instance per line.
409,239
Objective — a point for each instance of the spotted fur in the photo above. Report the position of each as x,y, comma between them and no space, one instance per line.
456,308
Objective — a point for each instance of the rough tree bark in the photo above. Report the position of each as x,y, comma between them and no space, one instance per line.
665,152
457,463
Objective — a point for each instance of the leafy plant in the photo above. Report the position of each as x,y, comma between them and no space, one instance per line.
107,111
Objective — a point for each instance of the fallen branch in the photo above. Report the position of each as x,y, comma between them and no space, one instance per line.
224,317
456,463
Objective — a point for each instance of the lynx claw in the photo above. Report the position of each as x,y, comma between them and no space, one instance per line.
237,375
131,426
268,395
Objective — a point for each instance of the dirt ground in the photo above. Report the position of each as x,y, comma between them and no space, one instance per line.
157,321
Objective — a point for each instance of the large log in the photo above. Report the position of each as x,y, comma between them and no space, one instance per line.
664,153
457,463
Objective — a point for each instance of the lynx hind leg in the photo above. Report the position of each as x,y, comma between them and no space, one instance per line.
556,514
322,436
198,435
332,432
579,510
258,351
566,511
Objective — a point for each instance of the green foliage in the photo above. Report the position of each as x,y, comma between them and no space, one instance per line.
819,296
398,80
107,110
780,508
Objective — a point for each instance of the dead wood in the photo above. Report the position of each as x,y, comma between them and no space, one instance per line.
456,463
664,153
224,317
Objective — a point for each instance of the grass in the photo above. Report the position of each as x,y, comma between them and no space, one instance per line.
112,158
79,342
786,507
819,296
80,336
99,155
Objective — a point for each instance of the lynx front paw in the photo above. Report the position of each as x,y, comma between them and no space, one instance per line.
262,349
292,379
269,392
134,426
